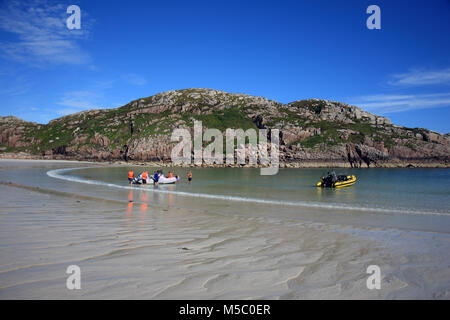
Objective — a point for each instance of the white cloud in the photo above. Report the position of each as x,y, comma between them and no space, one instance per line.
77,101
67,111
16,90
134,79
421,77
16,84
399,102
93,96
42,35
383,103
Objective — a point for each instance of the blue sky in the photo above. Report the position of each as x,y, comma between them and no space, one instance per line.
282,50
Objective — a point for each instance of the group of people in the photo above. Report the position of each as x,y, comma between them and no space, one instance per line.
144,176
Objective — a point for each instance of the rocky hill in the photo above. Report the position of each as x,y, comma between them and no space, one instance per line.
313,132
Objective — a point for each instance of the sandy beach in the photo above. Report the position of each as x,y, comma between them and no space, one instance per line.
161,247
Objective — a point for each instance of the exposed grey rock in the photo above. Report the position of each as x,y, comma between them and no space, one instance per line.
311,131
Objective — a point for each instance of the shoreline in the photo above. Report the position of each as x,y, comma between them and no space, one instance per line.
142,249
292,164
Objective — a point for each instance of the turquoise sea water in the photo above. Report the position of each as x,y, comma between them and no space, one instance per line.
411,199
388,190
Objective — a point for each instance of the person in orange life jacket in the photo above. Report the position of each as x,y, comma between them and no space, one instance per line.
130,176
144,177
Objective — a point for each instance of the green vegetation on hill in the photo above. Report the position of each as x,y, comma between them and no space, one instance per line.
222,119
153,119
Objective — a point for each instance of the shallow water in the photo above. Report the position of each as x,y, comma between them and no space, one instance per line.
405,190
230,234
376,200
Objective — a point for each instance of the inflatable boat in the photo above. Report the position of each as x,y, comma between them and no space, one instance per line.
161,180
333,181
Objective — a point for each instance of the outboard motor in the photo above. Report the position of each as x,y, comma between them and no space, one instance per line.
137,180
329,180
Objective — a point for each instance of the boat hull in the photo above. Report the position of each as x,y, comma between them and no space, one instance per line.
163,180
340,184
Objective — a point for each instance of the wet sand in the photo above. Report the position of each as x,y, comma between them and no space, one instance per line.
149,249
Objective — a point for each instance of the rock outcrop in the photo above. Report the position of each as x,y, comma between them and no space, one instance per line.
313,132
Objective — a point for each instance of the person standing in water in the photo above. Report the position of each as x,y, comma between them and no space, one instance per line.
130,176
144,177
156,178
189,176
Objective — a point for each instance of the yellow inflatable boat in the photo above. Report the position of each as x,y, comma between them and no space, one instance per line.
333,181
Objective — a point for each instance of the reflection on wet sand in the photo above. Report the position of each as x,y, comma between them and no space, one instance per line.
129,206
170,196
